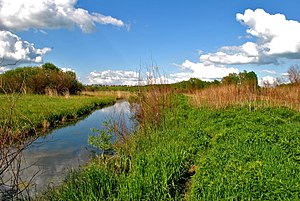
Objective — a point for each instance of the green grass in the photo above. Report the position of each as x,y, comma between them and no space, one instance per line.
237,154
252,155
40,111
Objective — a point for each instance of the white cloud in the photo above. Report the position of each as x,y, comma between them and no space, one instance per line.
21,15
3,69
67,69
267,81
123,77
114,77
178,77
202,71
277,38
13,48
269,71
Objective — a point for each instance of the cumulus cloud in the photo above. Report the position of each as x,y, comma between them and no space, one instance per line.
67,69
178,77
14,49
123,77
21,15
3,69
276,38
114,77
267,81
206,72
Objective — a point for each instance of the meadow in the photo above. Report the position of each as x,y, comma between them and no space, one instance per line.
28,113
187,150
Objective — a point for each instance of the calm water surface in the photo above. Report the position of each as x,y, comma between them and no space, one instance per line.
63,149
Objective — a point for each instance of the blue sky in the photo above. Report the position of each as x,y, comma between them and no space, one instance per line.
203,39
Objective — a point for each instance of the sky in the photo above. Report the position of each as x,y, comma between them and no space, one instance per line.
118,41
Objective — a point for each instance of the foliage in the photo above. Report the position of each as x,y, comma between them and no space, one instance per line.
103,139
194,83
243,78
232,78
39,80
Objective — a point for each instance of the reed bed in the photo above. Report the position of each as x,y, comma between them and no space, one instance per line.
242,95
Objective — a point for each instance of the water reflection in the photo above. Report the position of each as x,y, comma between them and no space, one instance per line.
53,155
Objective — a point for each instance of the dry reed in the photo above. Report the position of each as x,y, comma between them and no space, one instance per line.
117,94
238,95
153,101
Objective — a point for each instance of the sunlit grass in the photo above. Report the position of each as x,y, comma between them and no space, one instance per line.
40,111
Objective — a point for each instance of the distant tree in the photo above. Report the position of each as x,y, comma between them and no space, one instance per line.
249,78
232,78
39,80
294,74
50,67
243,78
216,82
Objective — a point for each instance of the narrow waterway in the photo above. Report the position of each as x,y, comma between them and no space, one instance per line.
52,156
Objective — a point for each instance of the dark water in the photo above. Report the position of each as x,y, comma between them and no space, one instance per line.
52,156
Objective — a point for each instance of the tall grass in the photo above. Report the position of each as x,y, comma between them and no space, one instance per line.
243,95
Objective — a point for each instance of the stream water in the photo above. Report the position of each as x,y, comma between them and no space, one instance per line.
53,155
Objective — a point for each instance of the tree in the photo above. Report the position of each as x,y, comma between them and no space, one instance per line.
50,67
243,78
38,80
248,78
232,78
294,74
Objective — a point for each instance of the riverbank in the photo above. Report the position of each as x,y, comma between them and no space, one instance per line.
32,113
194,153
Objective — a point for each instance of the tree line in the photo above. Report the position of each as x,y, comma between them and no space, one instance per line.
242,78
46,79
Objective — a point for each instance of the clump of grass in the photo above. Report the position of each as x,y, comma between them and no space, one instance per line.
92,183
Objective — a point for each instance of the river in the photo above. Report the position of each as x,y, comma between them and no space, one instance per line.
51,157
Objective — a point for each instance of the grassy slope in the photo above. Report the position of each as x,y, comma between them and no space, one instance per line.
32,110
238,154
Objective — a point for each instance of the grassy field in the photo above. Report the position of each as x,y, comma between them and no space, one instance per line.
27,112
198,153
